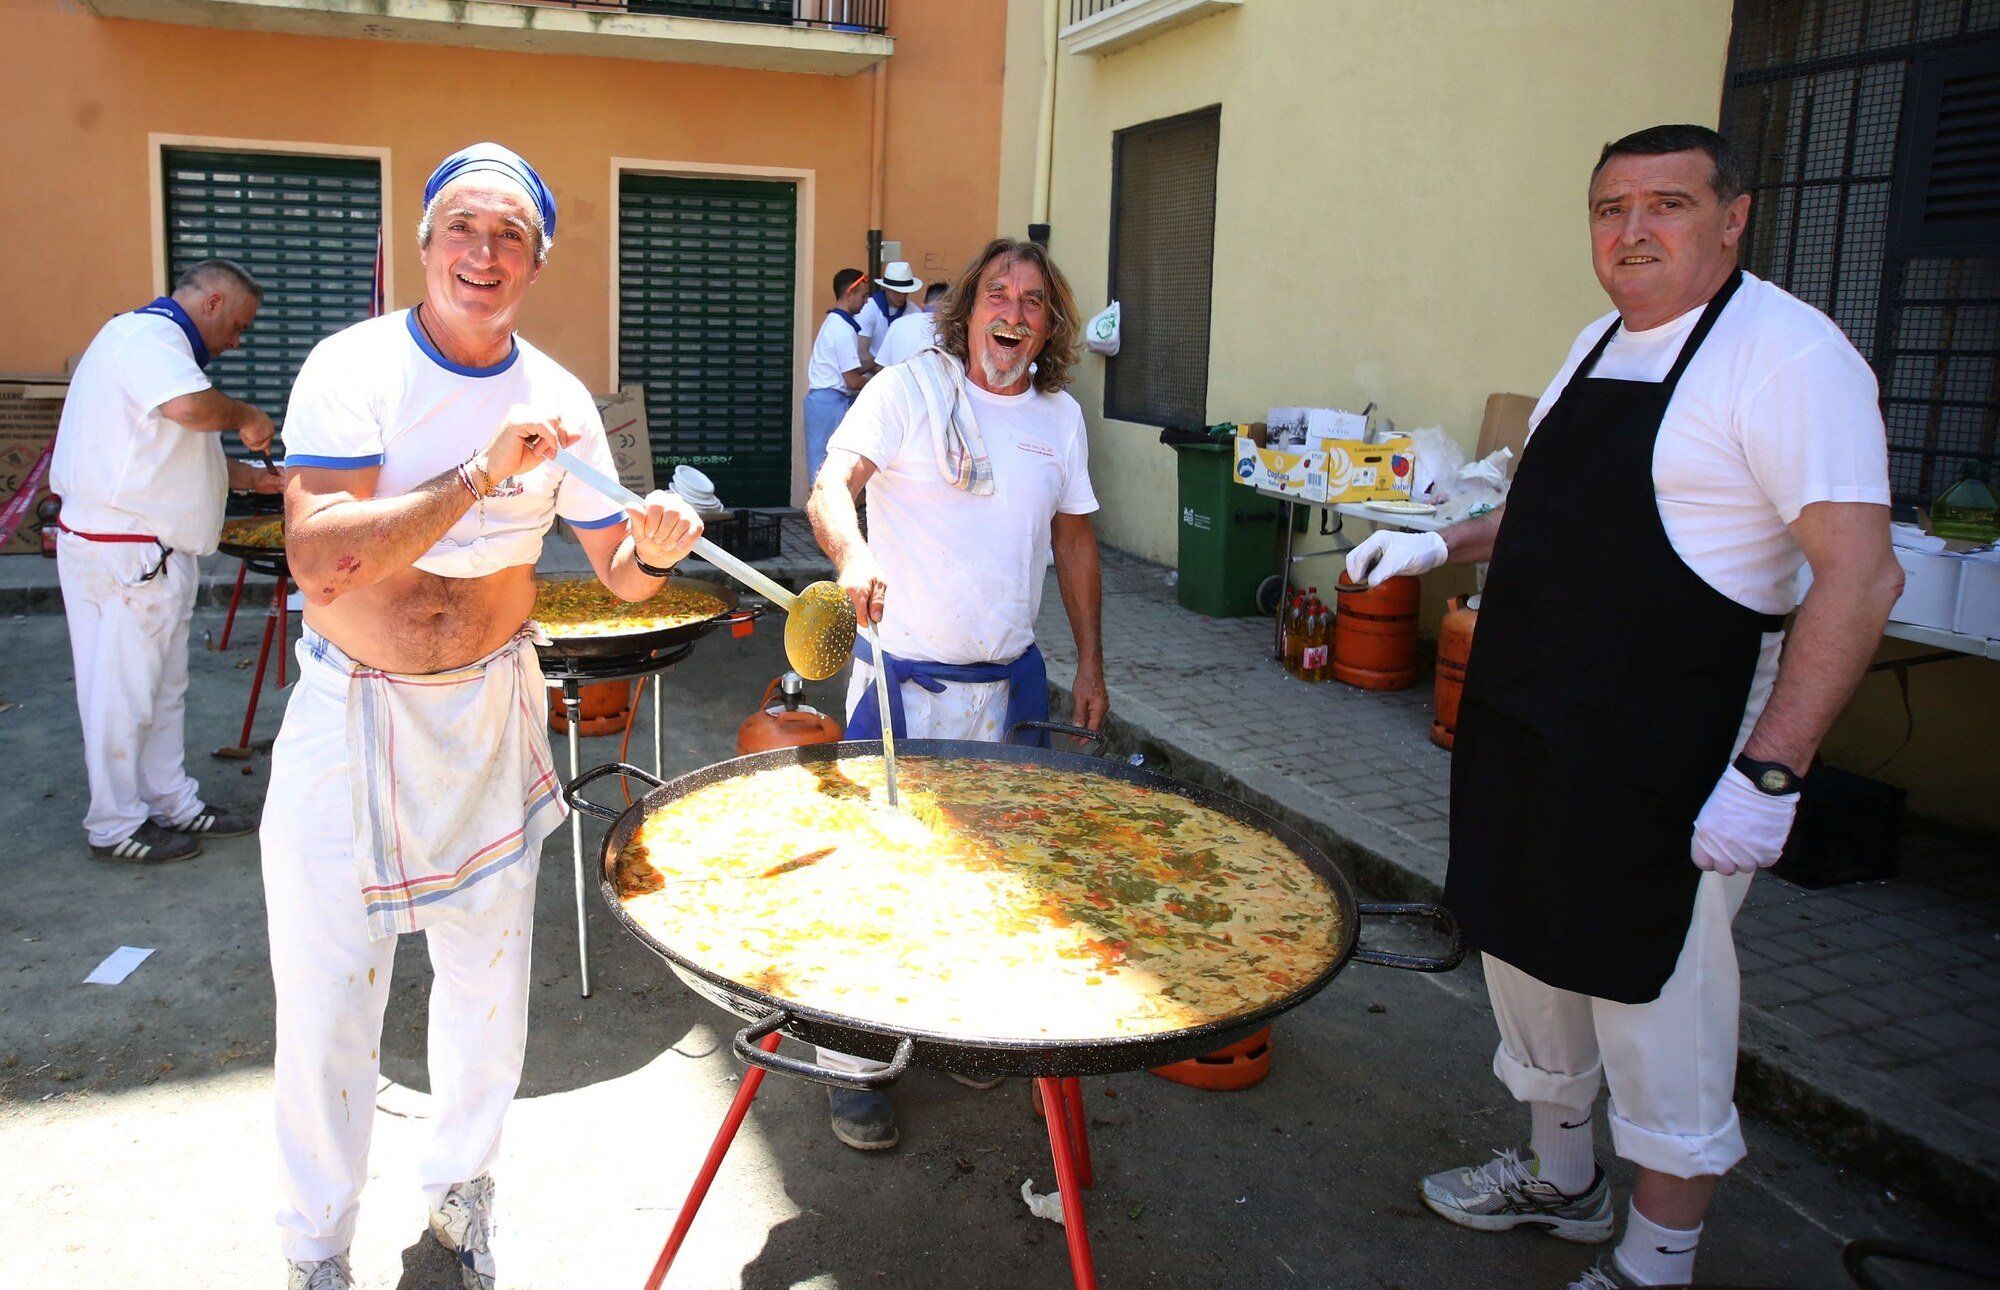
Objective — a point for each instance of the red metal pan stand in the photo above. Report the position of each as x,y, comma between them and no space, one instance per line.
277,624
1069,1144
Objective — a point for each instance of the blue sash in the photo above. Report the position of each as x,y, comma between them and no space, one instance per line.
1027,680
881,300
170,309
848,318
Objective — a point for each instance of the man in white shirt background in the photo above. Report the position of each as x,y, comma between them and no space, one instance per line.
1698,446
977,472
143,480
914,332
837,369
889,301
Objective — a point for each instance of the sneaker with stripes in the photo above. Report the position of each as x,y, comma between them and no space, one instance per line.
210,823
149,844
1505,1193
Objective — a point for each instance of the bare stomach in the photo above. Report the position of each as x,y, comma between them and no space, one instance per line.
417,622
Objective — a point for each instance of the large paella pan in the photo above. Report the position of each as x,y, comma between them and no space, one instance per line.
1029,912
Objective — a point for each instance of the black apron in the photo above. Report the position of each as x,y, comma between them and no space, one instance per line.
1602,700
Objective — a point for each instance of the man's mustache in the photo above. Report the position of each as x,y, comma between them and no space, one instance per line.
1012,333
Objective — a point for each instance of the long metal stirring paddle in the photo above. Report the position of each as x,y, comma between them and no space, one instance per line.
882,705
819,624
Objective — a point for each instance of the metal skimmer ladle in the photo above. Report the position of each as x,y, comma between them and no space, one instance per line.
819,621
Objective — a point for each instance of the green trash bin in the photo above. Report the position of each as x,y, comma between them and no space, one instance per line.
1227,542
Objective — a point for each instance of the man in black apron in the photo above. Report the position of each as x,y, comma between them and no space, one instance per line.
1629,745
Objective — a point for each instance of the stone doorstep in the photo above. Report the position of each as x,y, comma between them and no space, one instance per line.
1857,1117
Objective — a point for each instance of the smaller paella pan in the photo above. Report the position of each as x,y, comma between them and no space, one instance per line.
585,621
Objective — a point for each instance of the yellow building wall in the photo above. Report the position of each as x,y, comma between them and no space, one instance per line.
1400,218
83,97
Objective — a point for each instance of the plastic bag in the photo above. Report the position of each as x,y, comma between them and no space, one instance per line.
1438,459
1100,334
1049,1206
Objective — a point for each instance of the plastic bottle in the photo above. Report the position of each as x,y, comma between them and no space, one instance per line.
1294,613
1313,657
1323,643
1967,509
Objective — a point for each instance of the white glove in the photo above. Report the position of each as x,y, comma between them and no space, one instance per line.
1742,829
1388,554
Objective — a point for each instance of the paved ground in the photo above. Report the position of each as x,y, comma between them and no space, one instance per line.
134,1118
1872,1009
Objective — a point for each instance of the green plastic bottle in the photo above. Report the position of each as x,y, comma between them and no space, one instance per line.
1967,509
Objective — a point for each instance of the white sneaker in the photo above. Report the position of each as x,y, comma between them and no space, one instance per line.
464,1225
319,1274
1504,1193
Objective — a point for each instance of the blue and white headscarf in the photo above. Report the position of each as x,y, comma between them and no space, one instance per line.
500,161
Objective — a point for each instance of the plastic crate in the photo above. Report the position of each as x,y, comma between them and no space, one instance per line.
1847,830
745,534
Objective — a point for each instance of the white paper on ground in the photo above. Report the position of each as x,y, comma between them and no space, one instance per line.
1049,1206
117,965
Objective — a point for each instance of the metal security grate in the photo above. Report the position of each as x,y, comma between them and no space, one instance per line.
706,283
1869,130
304,226
1162,261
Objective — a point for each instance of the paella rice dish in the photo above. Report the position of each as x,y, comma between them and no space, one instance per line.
573,607
266,532
1005,900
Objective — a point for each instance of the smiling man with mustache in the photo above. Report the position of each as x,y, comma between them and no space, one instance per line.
1630,744
977,473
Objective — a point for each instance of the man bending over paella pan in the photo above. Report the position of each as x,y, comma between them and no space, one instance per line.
977,474
412,783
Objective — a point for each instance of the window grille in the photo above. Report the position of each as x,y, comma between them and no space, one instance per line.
1871,132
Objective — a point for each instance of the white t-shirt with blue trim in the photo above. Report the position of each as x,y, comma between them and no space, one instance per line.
379,394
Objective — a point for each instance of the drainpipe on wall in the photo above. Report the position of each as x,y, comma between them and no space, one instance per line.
878,162
1045,131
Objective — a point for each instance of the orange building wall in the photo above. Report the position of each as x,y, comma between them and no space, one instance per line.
81,96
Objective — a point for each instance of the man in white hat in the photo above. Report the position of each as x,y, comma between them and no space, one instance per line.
888,303
915,331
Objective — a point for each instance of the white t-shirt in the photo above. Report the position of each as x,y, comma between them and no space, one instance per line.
836,351
908,336
875,324
1775,412
378,394
121,467
965,572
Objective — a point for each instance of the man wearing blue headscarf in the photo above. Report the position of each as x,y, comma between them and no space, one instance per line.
412,783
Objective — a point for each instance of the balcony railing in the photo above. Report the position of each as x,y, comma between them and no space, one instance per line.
1100,27
827,37
834,15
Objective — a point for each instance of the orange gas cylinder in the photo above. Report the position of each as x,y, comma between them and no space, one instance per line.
604,708
1454,648
1239,1065
1375,634
788,723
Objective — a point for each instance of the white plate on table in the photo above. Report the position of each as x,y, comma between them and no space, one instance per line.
1402,508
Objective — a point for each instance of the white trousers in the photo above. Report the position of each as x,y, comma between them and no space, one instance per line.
1670,1064
128,644
958,712
333,984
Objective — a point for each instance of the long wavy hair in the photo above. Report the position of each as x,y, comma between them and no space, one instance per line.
954,315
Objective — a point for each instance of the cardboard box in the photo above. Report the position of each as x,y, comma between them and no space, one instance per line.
1505,426
29,414
624,416
1930,589
1278,470
1978,612
1354,471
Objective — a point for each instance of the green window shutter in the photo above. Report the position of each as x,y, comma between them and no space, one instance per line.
706,282
305,227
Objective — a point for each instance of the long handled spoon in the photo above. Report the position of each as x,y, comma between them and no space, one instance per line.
882,705
819,621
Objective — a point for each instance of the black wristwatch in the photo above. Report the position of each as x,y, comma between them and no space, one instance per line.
1773,778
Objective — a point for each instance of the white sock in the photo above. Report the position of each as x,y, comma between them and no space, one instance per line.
1653,1255
1560,1139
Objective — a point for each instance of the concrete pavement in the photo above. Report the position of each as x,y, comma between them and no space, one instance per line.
134,1119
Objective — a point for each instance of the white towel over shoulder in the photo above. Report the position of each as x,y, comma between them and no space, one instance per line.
959,449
